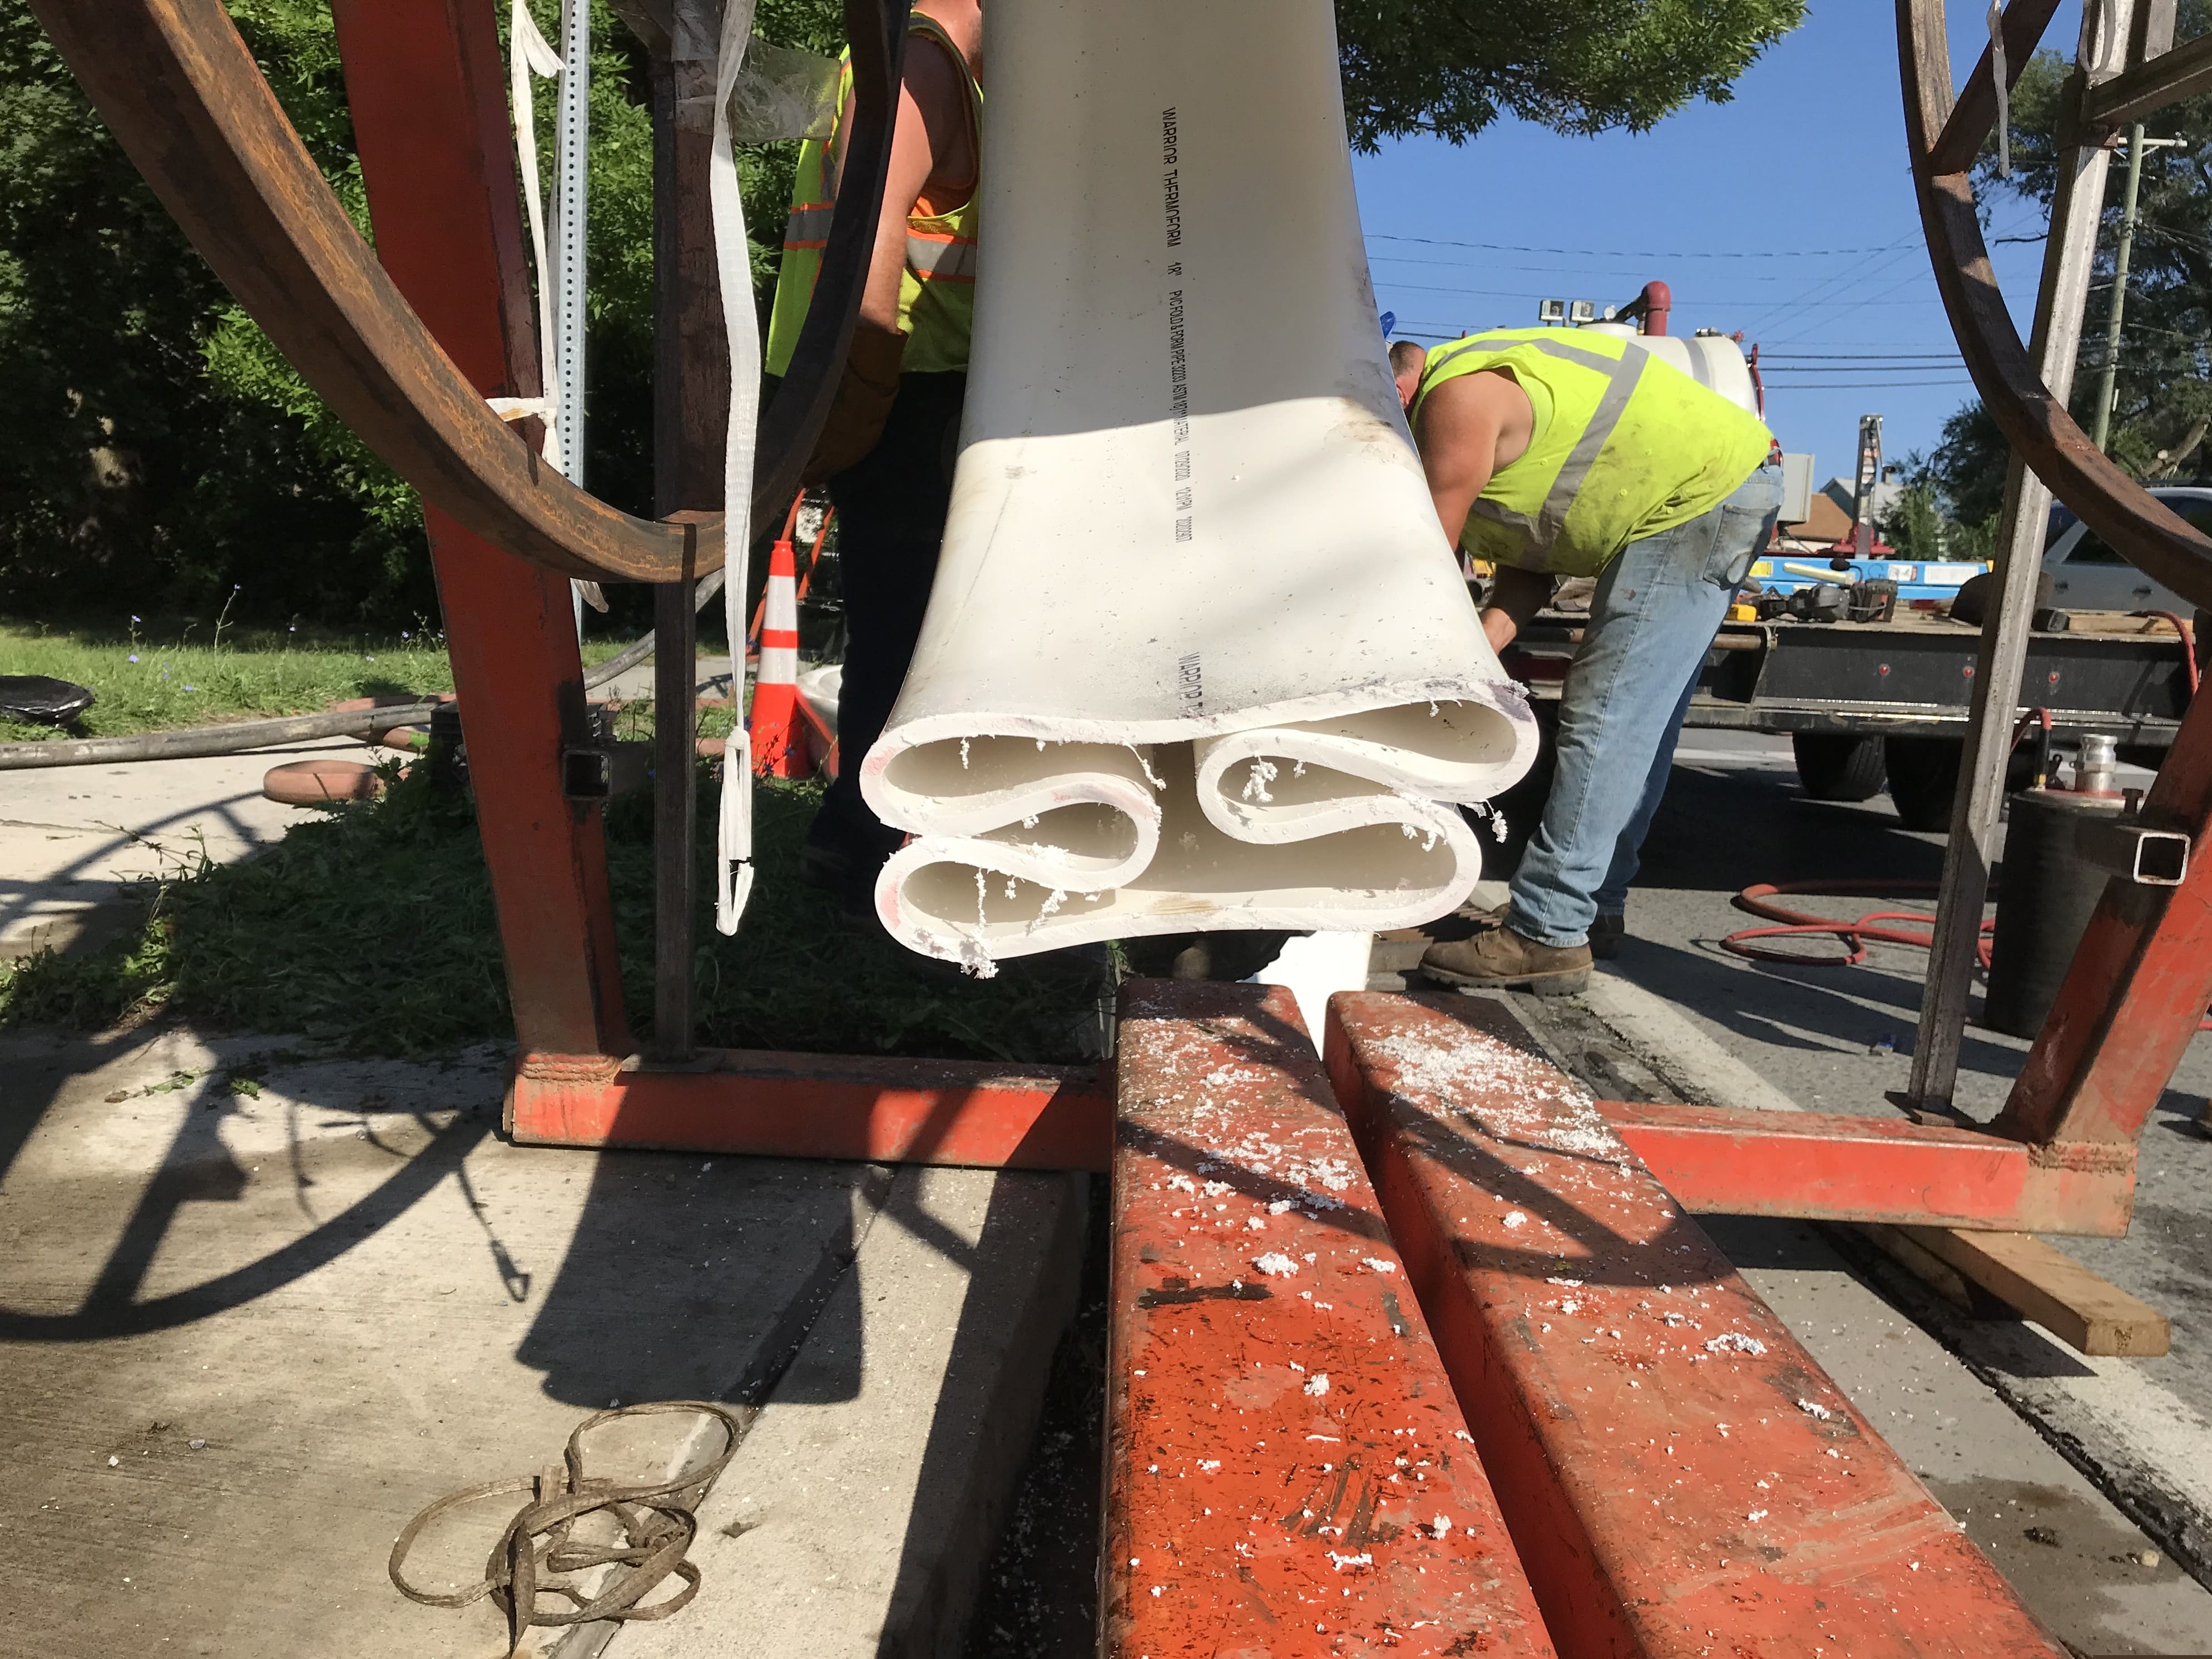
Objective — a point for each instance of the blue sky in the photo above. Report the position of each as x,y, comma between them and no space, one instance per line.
1807,161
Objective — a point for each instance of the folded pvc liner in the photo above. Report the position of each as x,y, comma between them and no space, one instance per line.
1199,654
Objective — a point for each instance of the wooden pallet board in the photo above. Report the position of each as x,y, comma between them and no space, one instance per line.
2086,1311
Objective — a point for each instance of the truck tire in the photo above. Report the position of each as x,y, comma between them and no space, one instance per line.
1839,765
1923,778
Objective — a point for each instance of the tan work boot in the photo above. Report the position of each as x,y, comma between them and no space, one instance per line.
1500,959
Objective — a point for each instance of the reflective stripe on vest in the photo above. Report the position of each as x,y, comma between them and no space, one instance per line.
808,225
940,258
1621,375
937,286
1627,447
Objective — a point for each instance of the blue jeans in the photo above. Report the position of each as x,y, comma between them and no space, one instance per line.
1652,620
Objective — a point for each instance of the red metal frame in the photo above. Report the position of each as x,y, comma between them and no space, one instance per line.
1837,1166
429,115
790,1105
1284,1451
425,82
1679,1477
426,86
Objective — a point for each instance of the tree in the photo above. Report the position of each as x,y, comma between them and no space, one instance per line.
1451,67
157,451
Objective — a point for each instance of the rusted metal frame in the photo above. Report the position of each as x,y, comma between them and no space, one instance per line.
182,94
1836,1166
1959,144
835,1106
2151,32
675,814
2135,991
690,433
2032,419
2181,72
1978,317
1679,1476
1287,1470
425,84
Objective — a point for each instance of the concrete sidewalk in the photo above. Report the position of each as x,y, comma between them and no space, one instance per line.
73,839
251,1327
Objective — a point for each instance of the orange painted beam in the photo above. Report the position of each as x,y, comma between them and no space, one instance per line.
1680,1479
1835,1166
1288,1473
793,1105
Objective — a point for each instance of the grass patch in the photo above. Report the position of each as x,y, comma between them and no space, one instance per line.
373,930
147,681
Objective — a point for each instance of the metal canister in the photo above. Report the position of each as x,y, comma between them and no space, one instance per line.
2046,893
2097,773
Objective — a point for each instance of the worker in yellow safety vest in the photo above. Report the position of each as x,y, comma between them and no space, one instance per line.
886,452
1557,452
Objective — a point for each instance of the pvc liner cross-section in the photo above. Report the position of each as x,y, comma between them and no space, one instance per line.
1198,655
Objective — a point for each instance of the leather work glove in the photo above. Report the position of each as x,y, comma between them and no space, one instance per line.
863,403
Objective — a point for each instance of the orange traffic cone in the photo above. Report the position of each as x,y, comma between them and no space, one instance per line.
777,746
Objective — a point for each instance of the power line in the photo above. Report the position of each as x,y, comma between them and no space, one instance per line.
1858,385
1582,272
1707,300
1859,357
1640,253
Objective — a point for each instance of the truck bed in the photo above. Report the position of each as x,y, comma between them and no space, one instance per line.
1913,675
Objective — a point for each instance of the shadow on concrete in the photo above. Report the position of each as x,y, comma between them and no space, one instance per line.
1715,985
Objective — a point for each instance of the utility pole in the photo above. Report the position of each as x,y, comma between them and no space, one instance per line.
2137,144
1869,473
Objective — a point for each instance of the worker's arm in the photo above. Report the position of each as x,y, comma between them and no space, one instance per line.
1516,595
1468,427
928,140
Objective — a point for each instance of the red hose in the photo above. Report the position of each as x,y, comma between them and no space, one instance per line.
2188,643
1856,935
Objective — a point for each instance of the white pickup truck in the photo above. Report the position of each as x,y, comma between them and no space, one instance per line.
2088,575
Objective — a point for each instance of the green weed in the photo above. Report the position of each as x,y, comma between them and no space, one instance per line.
371,930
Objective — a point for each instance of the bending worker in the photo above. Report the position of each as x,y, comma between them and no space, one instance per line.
1567,453
887,451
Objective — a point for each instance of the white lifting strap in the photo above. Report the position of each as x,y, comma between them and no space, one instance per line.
528,54
734,839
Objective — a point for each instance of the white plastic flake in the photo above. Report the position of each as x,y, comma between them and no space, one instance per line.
1276,1264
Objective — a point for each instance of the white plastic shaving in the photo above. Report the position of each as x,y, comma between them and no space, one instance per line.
1814,1409
1737,1342
1317,1385
1375,1264
1276,1264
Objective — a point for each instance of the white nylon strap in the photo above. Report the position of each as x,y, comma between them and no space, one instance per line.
733,838
528,54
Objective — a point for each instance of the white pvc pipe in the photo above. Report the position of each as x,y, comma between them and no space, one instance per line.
1199,654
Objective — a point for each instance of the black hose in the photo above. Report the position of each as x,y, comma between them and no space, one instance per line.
200,740
195,742
636,652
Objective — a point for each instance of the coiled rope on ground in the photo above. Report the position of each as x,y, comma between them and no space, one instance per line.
655,1518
